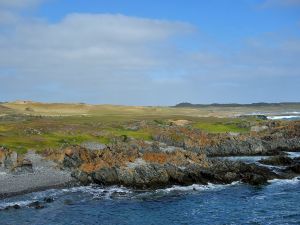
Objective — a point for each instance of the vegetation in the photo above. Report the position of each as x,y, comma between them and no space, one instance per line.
29,125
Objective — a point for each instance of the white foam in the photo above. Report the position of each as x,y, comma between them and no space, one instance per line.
97,191
294,180
196,187
282,117
293,154
20,203
93,191
272,113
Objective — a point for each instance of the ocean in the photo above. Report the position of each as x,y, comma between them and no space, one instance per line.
276,203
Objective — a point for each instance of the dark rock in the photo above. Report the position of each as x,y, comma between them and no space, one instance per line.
195,174
36,205
277,161
39,207
229,171
295,168
16,206
106,176
150,175
72,161
255,179
176,175
81,176
229,177
48,199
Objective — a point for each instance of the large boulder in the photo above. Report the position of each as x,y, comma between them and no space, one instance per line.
254,179
150,175
279,160
106,176
229,171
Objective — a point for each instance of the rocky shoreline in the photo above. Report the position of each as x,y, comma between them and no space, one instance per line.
30,173
177,156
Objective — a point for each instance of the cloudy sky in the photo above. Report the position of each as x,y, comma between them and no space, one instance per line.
150,52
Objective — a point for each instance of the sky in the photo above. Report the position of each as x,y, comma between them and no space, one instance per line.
150,52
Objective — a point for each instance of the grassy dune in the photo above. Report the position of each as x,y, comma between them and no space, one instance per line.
38,126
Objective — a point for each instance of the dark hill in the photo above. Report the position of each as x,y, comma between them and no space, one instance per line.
258,104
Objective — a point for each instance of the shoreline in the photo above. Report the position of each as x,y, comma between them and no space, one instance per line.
37,189
45,182
42,175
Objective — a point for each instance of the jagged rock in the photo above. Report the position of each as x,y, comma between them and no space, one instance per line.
255,179
277,160
106,176
25,166
229,171
150,175
143,164
295,168
82,177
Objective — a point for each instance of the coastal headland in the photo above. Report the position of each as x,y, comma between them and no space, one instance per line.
56,145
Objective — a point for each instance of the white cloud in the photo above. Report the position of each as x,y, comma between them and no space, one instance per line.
107,42
118,59
7,17
102,51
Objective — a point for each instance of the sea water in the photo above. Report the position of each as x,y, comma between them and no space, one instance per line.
276,203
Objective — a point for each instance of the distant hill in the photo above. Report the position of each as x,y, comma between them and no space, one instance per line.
258,104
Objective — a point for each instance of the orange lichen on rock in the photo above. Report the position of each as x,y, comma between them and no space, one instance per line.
56,155
157,157
177,157
90,167
2,154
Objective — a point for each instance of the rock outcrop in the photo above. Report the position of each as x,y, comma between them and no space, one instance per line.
269,141
152,169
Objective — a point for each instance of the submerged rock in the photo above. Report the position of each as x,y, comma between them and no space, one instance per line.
36,205
48,199
16,206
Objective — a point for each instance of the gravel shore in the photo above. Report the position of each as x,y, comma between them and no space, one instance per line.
46,174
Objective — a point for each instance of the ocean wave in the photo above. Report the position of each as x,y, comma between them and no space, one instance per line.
282,117
294,180
93,191
100,192
19,203
196,187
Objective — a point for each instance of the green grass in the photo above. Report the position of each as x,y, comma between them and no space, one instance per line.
81,123
143,134
38,134
220,128
223,125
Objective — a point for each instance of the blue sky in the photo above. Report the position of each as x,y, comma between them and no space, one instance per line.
150,52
